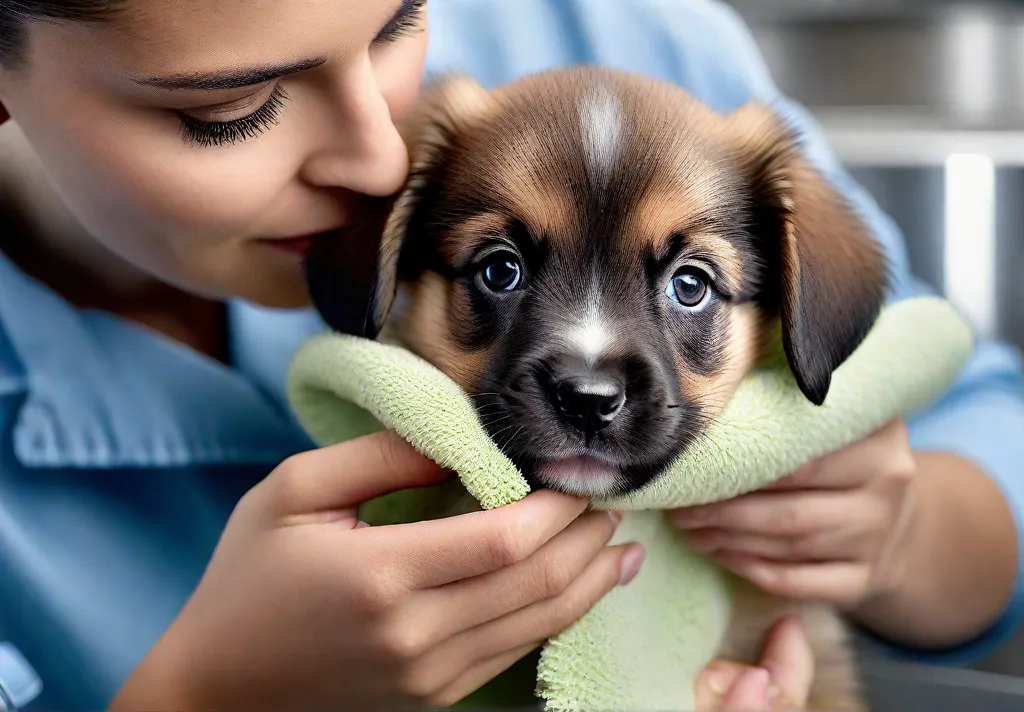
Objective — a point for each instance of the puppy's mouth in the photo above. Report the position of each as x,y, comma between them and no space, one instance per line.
583,475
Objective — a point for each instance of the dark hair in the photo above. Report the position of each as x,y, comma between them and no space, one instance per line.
16,14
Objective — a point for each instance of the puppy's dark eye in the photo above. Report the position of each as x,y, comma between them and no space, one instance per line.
690,288
502,272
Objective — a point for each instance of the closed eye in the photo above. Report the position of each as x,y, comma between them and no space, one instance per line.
407,20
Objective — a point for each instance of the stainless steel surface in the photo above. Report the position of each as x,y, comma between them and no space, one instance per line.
901,80
899,86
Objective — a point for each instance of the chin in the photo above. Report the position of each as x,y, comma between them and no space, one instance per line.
583,476
275,291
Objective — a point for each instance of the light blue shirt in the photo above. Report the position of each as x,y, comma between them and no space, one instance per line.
122,454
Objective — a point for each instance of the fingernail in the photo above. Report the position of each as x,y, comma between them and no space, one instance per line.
362,525
631,562
773,694
616,517
718,682
758,677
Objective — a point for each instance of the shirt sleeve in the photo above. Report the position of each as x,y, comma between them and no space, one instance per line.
704,46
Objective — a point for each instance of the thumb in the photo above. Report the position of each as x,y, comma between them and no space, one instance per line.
343,476
789,659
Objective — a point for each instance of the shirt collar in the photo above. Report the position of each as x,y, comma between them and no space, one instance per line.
100,391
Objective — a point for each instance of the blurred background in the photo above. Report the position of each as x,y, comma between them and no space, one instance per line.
923,100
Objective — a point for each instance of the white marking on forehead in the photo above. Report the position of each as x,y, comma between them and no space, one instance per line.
601,121
591,337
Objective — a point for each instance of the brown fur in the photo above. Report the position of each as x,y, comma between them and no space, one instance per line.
803,263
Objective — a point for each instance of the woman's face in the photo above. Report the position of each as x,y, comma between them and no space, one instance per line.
193,138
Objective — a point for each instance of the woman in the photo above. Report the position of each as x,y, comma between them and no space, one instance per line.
145,328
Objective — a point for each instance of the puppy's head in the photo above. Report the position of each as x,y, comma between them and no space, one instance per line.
597,258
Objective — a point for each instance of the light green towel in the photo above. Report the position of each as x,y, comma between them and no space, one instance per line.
642,646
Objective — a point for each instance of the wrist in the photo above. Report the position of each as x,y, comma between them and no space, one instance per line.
160,683
955,570
895,572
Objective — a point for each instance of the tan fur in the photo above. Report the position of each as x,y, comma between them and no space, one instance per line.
423,328
747,341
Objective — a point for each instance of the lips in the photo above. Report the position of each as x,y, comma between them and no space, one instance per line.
583,475
298,245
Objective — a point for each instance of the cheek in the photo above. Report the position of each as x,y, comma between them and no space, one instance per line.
738,352
427,324
128,176
399,74
197,192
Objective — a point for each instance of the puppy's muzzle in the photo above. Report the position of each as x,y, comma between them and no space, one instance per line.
589,402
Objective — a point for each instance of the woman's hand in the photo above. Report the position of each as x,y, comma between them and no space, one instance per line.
836,530
782,679
302,607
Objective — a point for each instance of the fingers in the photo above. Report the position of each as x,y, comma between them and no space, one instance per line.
480,674
614,566
440,552
495,646
782,679
345,475
789,660
714,682
789,514
749,692
547,573
822,475
838,582
843,545
886,450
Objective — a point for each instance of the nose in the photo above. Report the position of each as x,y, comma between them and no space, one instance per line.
590,402
362,150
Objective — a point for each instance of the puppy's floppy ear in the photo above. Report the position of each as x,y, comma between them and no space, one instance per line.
828,276
352,275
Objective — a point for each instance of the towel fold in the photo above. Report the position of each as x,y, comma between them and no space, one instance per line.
642,646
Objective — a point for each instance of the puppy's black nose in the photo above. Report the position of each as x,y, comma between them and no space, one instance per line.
589,403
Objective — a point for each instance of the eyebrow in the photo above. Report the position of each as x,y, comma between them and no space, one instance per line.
229,79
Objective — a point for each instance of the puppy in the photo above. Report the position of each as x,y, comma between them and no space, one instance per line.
599,259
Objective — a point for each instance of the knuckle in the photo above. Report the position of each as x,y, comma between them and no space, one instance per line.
286,480
379,595
899,431
791,519
403,643
506,546
391,453
443,700
421,687
803,548
903,465
555,578
783,581
396,454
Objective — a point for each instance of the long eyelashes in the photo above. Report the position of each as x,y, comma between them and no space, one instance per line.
406,22
206,134
219,133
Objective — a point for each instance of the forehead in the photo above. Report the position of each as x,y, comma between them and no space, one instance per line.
157,37
566,151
